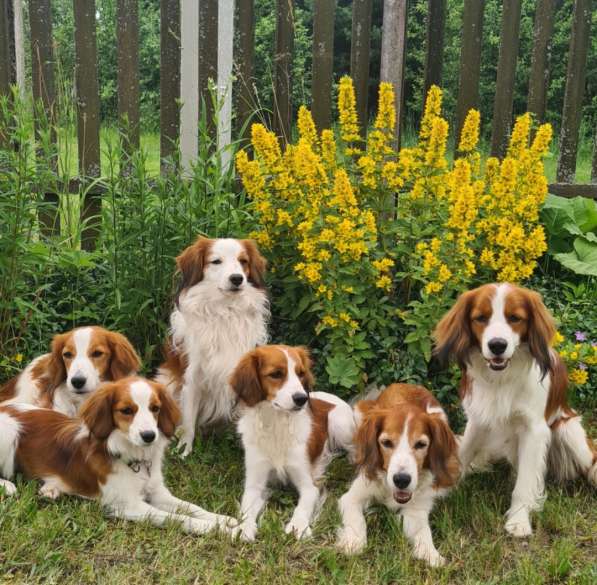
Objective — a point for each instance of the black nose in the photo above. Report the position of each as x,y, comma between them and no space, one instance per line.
401,480
236,279
78,382
299,398
147,436
497,345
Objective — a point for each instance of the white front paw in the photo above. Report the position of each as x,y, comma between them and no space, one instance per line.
9,488
519,524
350,542
248,531
299,527
428,553
185,445
51,491
229,525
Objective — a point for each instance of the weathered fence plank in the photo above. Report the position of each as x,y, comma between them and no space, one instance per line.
575,88
283,69
19,36
88,123
568,190
436,24
323,62
246,102
208,60
594,165
189,82
5,58
506,71
393,53
360,46
127,34
44,94
169,78
225,53
539,74
470,60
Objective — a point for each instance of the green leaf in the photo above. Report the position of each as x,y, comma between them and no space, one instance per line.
342,370
583,260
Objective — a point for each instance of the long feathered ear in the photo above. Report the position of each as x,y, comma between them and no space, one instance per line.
191,263
169,416
305,358
124,360
56,368
96,412
245,380
257,264
368,456
453,335
442,456
541,330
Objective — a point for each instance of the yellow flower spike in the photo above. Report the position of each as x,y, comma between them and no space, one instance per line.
266,145
542,140
384,282
578,376
519,139
328,150
469,137
386,111
433,106
433,287
306,126
436,149
347,111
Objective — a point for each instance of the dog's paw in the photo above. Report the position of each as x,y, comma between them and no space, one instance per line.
185,446
7,487
430,555
248,532
50,491
299,527
519,525
230,526
349,542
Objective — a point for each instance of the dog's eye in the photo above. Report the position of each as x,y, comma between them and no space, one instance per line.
216,261
244,261
127,411
514,319
67,355
154,408
277,375
387,444
420,445
481,319
97,353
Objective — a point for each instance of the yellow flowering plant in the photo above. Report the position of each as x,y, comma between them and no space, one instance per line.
580,356
369,244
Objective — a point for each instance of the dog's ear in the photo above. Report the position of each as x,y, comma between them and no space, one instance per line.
541,331
368,454
96,411
124,360
305,357
442,456
257,264
191,264
245,380
56,368
453,334
169,416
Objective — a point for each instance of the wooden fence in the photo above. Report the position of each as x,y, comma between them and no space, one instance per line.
205,54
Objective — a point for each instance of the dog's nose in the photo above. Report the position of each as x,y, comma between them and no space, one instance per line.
401,480
497,345
147,436
299,398
78,382
236,279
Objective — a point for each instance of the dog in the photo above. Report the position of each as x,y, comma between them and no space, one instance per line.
407,457
288,432
513,391
221,313
112,453
78,362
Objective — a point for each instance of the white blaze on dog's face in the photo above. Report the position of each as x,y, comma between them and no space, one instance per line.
278,374
88,356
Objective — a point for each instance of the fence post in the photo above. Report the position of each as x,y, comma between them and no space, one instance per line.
283,69
208,60
594,165
323,62
127,34
225,56
245,100
19,36
5,56
360,45
169,78
506,72
436,24
189,82
393,51
44,94
88,106
575,87
470,60
539,74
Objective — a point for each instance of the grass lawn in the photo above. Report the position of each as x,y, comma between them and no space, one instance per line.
70,541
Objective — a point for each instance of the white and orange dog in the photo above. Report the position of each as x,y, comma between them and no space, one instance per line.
79,361
407,457
112,453
221,313
513,390
288,432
